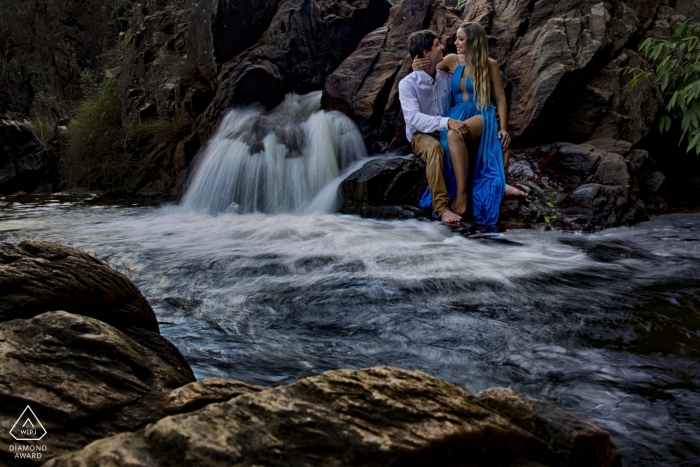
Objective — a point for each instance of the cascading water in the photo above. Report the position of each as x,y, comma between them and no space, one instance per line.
275,161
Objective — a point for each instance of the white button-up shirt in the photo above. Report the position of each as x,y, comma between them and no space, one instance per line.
425,101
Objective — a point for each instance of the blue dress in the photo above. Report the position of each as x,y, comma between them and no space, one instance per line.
489,183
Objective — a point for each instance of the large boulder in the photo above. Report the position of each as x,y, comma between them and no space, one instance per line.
194,396
36,277
83,379
26,163
372,417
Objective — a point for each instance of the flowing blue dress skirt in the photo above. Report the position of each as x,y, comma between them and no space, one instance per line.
489,182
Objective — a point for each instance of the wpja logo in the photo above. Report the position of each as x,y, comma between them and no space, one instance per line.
27,428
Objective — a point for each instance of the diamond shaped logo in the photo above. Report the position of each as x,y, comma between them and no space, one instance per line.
28,427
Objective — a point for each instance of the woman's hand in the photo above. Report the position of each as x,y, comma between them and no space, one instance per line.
504,137
420,63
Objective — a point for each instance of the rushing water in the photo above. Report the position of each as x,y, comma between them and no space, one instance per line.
604,325
276,161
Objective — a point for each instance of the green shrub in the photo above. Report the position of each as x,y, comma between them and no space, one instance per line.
678,75
163,130
92,148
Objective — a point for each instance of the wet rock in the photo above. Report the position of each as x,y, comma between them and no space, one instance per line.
377,416
25,161
573,440
83,379
304,42
194,396
385,188
365,85
36,277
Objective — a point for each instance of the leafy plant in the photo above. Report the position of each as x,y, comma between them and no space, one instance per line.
678,75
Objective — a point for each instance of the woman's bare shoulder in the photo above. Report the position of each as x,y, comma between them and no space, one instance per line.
448,63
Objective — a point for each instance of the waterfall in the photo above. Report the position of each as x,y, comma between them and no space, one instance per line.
274,161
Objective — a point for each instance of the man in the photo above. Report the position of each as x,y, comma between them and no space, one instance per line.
425,98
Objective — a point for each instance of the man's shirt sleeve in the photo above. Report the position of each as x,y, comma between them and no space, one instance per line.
416,120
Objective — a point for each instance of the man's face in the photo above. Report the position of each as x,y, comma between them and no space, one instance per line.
435,54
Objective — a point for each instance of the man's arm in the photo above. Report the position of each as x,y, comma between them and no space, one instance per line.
412,114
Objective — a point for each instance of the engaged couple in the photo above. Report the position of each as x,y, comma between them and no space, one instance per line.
446,103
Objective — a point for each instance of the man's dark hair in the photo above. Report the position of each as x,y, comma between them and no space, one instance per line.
420,41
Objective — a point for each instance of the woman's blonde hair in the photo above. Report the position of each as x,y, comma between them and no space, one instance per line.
478,58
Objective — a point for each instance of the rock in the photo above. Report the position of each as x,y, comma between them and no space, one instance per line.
385,188
377,416
82,378
562,49
194,396
36,277
573,440
365,85
25,161
303,44
221,30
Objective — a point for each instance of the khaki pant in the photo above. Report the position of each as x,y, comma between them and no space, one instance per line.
428,148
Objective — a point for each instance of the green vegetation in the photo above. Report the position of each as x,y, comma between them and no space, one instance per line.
93,135
678,75
47,110
163,130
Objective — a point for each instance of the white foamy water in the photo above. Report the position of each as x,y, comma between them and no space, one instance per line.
604,325
274,162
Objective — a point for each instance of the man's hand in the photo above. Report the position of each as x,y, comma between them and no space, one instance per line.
460,127
420,63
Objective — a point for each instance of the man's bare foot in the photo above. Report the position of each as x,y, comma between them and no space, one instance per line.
459,205
512,192
450,218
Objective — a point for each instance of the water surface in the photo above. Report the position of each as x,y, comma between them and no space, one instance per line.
605,325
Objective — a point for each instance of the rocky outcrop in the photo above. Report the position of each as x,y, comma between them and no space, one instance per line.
83,379
602,183
26,163
377,416
301,47
385,188
36,277
194,396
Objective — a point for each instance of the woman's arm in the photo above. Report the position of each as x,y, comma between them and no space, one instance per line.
501,105
447,63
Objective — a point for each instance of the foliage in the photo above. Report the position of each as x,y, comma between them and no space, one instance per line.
678,75
94,132
47,110
163,130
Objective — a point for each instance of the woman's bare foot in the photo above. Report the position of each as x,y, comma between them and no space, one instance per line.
512,192
459,205
450,218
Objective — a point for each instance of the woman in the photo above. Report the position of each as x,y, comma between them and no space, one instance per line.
474,76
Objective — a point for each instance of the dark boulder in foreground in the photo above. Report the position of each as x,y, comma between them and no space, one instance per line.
372,417
83,379
26,163
36,277
599,184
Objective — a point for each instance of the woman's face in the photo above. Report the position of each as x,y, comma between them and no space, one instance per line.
461,41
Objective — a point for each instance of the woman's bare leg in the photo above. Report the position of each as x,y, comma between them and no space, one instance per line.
460,163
